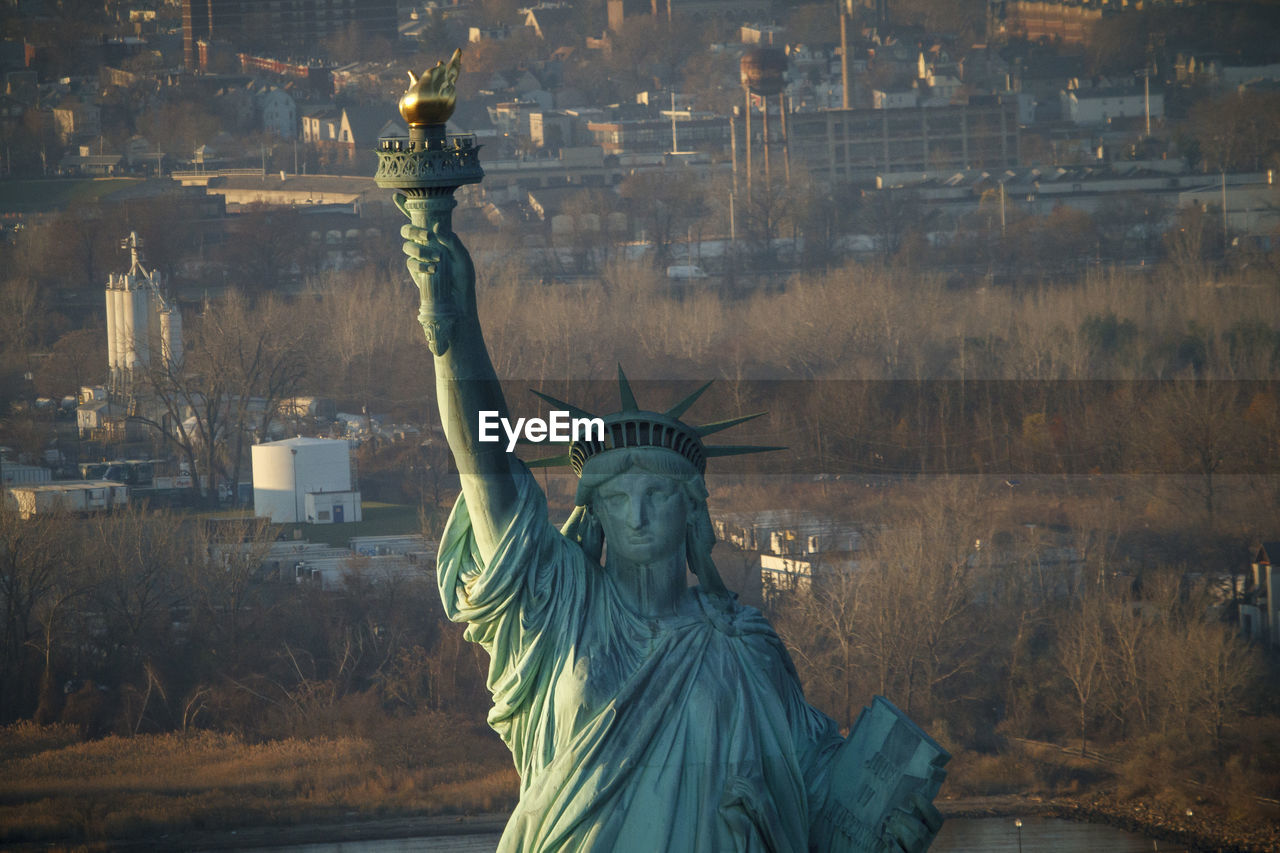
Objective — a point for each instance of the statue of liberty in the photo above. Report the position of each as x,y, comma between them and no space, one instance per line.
642,714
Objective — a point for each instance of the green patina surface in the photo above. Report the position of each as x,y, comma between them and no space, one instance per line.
641,714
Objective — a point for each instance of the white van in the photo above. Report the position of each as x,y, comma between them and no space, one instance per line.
686,271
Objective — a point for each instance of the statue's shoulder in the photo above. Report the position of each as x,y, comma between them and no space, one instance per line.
725,612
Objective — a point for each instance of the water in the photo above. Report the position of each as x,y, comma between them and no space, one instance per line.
999,835
960,835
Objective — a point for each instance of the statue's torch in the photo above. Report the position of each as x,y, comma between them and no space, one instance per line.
425,169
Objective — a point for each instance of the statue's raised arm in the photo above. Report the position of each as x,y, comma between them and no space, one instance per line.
465,380
425,172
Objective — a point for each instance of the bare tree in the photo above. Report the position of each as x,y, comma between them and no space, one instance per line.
1227,670
665,205
74,361
1080,652
1195,428
37,580
245,358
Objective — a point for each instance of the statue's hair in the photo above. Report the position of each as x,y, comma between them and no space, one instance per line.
700,538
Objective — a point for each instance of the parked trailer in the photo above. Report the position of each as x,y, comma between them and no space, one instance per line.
21,475
131,472
78,496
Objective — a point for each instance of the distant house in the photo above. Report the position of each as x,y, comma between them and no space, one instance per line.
75,119
476,35
1259,610
138,151
279,113
343,135
321,125
1099,105
552,22
512,117
86,163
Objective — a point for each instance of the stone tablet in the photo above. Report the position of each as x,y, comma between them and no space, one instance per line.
884,761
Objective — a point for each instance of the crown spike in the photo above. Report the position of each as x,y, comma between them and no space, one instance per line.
683,406
708,429
548,461
561,404
624,391
739,449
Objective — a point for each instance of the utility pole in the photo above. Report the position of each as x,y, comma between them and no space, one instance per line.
1002,208
786,140
1224,213
844,52
733,151
1146,96
748,135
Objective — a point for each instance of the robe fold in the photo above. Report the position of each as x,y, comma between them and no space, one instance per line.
686,733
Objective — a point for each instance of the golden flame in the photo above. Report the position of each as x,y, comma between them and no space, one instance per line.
431,98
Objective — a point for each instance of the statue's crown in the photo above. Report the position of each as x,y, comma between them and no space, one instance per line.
634,427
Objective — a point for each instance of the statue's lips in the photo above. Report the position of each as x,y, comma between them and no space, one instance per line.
639,537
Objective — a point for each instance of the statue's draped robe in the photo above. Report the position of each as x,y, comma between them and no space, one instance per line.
683,734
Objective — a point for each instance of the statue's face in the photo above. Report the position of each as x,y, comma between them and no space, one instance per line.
643,516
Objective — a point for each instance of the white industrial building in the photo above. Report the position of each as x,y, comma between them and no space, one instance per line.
142,326
308,480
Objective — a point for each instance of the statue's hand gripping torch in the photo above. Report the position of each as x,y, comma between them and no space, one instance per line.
441,267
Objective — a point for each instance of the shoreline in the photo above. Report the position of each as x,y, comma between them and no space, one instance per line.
1199,833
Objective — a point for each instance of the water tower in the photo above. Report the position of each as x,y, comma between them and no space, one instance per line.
763,72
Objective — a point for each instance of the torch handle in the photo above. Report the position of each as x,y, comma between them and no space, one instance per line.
439,308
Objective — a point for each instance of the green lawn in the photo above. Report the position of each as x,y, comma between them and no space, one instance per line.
380,519
30,196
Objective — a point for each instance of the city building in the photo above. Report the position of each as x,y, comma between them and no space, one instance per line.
1053,20
794,546
858,144
689,131
295,25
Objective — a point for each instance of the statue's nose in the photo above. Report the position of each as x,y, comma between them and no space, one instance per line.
638,512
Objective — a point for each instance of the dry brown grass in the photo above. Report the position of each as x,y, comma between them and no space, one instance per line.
971,774
53,790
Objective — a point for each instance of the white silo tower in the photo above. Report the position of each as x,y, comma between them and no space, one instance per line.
142,326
